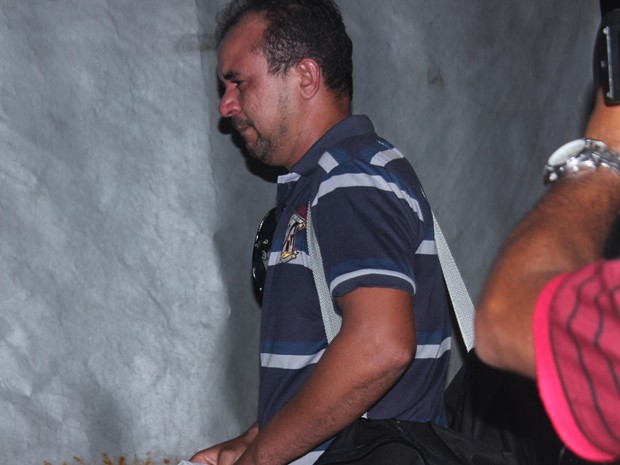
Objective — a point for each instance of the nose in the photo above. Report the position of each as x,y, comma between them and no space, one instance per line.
229,103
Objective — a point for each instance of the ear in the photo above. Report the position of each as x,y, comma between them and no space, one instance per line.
309,72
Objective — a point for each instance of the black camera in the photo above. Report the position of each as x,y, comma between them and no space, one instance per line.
607,56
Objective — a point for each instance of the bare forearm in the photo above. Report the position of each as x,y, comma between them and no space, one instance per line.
565,231
568,228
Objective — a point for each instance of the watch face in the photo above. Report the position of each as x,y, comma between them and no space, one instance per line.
567,151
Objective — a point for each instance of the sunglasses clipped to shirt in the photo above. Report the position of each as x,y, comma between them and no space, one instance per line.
260,253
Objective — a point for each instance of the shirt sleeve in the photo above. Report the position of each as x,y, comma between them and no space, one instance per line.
369,228
576,334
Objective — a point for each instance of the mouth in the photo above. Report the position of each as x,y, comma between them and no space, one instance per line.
241,125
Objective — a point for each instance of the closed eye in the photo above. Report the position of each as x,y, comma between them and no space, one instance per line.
233,78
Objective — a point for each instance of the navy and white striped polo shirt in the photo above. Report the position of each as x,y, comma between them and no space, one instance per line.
375,229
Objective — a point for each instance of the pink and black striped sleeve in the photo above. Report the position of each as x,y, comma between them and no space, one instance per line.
577,342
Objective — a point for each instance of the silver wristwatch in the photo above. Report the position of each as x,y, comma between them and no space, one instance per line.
578,155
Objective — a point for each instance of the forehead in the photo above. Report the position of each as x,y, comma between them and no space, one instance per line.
239,44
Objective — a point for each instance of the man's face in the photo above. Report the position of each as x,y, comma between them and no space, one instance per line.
257,102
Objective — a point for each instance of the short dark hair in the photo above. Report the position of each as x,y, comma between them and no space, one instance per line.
298,29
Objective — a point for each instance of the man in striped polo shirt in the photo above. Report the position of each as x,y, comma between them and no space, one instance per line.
286,70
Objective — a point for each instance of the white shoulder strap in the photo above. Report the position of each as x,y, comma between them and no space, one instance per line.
461,302
331,320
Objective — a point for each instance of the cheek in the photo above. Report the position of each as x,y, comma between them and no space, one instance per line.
256,99
249,105
261,107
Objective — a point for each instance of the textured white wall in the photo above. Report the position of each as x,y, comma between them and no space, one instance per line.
127,214
477,94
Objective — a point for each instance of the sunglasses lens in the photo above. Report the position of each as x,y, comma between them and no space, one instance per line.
260,253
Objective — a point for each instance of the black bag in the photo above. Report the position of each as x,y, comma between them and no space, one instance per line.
395,442
494,418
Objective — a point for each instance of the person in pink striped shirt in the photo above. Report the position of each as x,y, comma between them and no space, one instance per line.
550,308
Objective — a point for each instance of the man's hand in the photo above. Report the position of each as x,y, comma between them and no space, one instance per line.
226,453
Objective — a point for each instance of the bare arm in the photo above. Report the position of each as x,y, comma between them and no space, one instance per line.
374,347
565,231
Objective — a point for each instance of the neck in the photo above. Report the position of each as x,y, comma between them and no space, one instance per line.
313,125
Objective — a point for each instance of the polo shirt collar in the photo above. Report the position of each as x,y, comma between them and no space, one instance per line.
356,125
